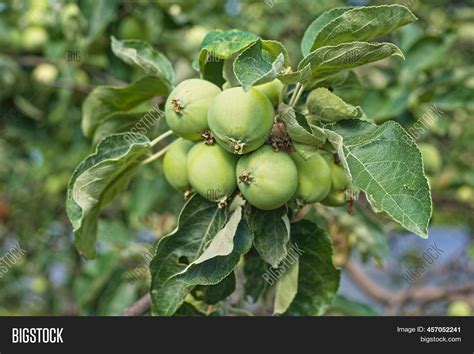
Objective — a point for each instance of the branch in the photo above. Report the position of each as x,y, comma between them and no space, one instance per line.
140,307
419,294
368,285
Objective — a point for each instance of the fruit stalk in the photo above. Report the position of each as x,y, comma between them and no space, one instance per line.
299,88
156,155
160,138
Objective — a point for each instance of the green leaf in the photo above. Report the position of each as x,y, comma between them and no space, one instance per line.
292,77
384,162
223,45
408,36
318,279
275,48
97,180
348,307
104,100
142,55
255,66
286,289
213,71
271,233
254,283
337,80
305,137
317,25
222,255
99,14
361,24
424,55
380,105
332,59
327,107
219,46
198,222
212,294
459,97
188,310
117,122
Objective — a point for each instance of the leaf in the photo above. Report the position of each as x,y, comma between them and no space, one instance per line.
222,255
223,243
117,122
219,46
306,137
142,55
212,294
198,222
292,77
104,100
99,14
254,283
188,310
460,97
201,222
408,36
318,279
317,25
384,162
334,81
271,233
275,48
255,66
380,105
362,24
286,289
97,180
348,307
327,107
332,59
424,55
223,45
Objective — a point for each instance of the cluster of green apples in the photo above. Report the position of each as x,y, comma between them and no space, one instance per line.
225,146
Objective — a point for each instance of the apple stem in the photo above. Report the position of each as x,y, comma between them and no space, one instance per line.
161,137
156,155
299,88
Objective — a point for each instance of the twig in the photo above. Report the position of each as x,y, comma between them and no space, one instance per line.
140,307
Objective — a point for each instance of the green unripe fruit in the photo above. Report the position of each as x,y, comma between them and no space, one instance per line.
339,183
131,28
272,90
239,120
431,158
459,308
45,73
266,178
339,180
211,171
334,199
174,164
187,106
314,178
465,194
34,38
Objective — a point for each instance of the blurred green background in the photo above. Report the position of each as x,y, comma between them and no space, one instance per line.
54,52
